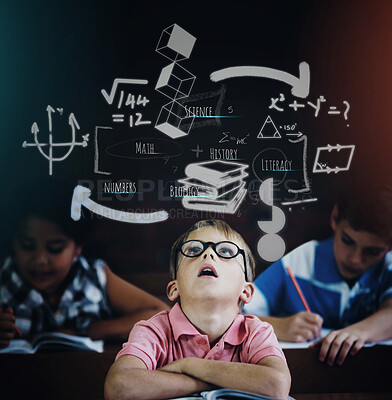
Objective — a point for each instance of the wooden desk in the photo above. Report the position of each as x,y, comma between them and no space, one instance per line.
67,376
344,396
368,371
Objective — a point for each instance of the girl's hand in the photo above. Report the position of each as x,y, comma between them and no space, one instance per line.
7,326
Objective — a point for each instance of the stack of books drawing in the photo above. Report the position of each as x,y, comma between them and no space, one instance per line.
220,185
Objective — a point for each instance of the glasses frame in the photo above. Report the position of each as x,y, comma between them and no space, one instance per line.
213,245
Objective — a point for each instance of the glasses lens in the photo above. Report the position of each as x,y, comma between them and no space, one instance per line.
226,250
192,248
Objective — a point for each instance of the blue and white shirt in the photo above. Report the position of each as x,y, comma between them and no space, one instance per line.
315,269
84,300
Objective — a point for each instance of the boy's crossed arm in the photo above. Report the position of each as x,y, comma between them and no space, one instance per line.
270,376
129,378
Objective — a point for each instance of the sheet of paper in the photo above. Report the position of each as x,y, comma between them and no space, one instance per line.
324,332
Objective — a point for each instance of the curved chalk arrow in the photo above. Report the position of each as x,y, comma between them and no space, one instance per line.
300,86
81,196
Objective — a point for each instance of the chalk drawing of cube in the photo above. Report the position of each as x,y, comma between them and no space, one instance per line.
175,43
173,120
175,82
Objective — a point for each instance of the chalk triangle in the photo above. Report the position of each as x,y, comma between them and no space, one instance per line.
269,130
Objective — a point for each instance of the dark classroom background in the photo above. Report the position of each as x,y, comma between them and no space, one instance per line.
63,53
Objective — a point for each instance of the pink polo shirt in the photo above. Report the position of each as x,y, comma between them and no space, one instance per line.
169,336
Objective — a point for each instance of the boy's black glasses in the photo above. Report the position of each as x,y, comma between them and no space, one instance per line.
225,249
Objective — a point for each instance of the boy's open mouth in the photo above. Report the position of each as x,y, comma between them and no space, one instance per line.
207,270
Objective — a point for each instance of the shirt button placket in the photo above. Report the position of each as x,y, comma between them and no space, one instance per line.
202,345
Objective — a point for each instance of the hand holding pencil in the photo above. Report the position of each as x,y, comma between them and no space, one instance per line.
300,327
7,326
303,326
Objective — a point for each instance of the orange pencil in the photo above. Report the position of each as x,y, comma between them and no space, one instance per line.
17,330
301,295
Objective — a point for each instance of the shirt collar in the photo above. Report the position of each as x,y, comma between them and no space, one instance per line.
14,290
235,335
180,323
82,261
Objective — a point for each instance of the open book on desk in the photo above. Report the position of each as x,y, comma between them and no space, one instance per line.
227,394
53,342
324,332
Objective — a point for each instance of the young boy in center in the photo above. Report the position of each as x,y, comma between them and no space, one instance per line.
203,342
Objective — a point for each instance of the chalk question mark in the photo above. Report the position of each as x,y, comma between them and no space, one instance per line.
347,109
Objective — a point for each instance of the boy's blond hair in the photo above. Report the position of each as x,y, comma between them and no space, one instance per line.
222,227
